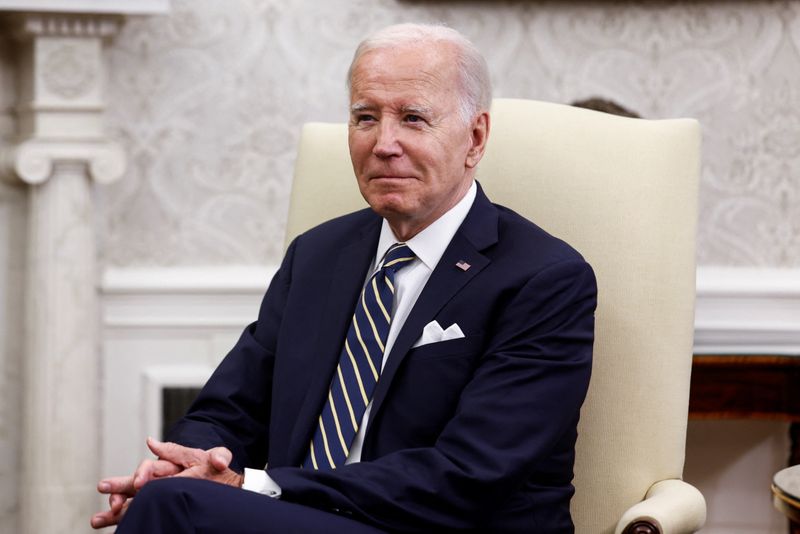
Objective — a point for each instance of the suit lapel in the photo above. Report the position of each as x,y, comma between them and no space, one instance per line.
477,232
346,281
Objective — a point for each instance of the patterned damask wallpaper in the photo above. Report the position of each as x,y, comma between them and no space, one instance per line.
209,102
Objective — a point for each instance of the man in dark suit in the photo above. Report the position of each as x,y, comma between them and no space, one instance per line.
449,399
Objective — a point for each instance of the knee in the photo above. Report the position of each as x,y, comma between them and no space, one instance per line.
159,507
164,491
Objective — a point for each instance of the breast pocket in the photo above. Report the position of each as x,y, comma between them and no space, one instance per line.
425,391
465,346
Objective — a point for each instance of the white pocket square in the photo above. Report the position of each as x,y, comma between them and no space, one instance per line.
433,333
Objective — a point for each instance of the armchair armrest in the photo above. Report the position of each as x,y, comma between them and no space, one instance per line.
670,507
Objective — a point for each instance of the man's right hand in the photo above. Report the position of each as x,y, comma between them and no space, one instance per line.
121,490
173,460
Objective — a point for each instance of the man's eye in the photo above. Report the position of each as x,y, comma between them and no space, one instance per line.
364,118
414,118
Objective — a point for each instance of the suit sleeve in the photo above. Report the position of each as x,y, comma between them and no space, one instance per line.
233,408
524,395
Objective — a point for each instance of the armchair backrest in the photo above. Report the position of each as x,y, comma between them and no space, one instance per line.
624,193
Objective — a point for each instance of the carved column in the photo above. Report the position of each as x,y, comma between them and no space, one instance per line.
62,149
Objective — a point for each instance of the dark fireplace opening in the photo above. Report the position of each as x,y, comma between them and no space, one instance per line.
174,403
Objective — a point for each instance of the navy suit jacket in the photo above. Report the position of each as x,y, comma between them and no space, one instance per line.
474,434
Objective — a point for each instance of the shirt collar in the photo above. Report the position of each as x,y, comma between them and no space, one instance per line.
429,245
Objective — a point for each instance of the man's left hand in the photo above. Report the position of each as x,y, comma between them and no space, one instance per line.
212,464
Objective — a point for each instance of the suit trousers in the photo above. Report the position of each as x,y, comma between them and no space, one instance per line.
184,505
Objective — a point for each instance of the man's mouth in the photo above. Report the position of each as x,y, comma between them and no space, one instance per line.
390,177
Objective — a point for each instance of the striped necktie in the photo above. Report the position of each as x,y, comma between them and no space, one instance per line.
359,365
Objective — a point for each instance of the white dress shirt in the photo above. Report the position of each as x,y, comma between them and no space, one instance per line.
429,246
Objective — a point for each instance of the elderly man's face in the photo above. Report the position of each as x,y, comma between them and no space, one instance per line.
412,153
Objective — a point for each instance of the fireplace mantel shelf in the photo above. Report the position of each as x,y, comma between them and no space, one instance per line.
110,7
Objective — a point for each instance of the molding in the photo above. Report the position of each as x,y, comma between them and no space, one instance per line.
32,161
739,310
83,25
748,282
747,311
120,7
183,297
238,279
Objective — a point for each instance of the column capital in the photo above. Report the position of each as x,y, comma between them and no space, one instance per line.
32,161
61,75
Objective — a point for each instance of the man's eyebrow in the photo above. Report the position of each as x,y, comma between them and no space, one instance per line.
419,110
358,107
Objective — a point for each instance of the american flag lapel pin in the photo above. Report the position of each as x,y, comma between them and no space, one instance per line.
463,265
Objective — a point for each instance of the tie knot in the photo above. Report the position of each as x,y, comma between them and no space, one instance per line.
398,256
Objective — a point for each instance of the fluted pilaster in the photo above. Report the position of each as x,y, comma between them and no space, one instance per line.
61,376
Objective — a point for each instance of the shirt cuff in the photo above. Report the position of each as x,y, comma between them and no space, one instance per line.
259,481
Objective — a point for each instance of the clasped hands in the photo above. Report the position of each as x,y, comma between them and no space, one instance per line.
172,460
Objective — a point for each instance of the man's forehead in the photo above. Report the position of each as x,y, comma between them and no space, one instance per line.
403,97
407,63
405,84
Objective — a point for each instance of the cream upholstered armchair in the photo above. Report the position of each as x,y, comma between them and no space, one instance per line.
624,193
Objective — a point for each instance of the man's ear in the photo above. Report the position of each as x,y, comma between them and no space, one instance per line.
479,134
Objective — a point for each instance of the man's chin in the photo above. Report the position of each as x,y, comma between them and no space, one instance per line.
389,189
388,199
389,210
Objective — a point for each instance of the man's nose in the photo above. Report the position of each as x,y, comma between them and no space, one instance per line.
387,143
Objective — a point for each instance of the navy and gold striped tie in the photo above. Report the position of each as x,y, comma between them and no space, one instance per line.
359,365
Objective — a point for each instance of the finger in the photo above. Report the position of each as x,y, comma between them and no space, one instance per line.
122,485
116,501
177,454
165,468
108,518
226,476
152,469
194,472
143,474
220,458
103,519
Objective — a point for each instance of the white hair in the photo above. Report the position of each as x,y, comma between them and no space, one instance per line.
475,91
